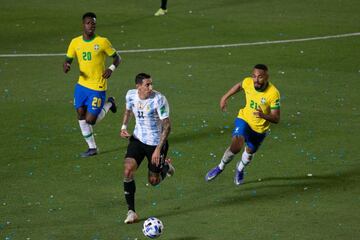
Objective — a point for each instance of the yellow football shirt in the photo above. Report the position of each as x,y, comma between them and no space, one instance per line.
91,56
266,100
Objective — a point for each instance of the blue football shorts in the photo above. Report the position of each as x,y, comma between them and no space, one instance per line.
93,100
252,139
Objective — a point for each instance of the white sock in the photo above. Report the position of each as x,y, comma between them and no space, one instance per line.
87,132
227,157
104,111
245,160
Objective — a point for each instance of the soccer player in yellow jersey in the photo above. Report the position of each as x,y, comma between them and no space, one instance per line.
91,51
262,108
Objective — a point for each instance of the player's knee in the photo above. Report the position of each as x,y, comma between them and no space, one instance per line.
235,149
129,168
91,121
81,113
153,180
236,145
128,173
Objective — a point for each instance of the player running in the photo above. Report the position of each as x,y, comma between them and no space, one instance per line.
91,51
152,128
262,108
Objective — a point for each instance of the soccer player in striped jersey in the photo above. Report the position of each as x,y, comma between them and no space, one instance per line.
91,51
149,139
253,121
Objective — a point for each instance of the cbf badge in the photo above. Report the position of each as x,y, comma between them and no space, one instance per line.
263,101
96,47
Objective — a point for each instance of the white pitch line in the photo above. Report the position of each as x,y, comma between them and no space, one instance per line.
195,47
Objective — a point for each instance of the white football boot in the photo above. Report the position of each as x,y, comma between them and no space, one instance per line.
171,170
131,217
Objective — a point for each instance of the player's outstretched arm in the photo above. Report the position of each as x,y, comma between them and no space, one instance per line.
113,66
223,102
123,132
166,128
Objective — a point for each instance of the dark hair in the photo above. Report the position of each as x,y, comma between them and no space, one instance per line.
140,77
89,14
261,66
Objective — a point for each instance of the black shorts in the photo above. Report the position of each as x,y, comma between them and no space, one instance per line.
139,150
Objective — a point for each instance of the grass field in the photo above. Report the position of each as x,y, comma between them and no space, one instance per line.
303,182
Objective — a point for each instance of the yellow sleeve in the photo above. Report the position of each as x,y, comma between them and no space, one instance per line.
71,50
245,83
108,48
275,101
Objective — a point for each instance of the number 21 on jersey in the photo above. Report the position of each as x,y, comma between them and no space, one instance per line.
253,104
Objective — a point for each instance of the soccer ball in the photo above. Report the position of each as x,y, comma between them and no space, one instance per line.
153,227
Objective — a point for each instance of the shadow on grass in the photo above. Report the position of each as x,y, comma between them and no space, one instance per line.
117,149
278,187
184,238
330,177
200,134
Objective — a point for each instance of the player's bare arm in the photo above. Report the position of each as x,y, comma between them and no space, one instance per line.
115,64
67,64
123,132
273,116
166,125
223,102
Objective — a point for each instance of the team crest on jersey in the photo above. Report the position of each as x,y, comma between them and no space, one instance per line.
144,107
96,47
263,100
139,105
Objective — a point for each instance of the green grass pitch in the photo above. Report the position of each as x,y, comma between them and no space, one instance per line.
303,182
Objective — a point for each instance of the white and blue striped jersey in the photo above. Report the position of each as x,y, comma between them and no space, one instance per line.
148,115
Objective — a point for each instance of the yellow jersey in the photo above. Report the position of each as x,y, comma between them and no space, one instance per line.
266,100
91,55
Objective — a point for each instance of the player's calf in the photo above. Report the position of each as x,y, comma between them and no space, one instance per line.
90,119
